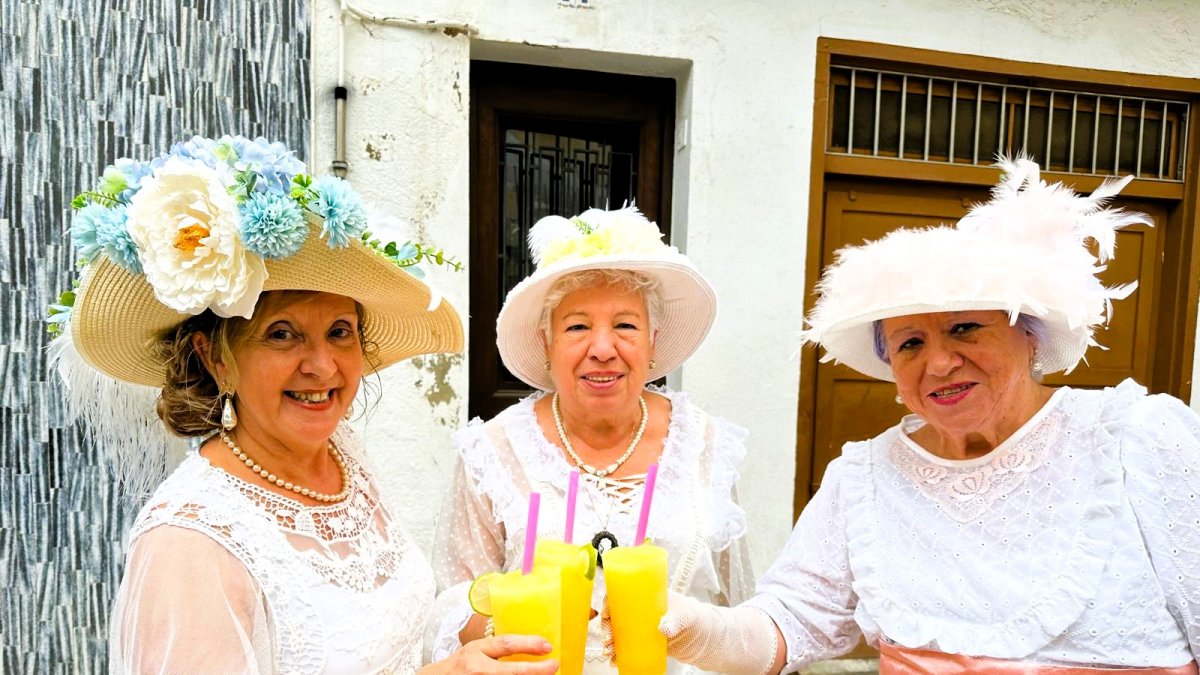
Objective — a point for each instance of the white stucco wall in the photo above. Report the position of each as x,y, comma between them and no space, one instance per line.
745,72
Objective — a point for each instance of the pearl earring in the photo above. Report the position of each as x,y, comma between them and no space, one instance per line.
899,400
229,418
653,365
1035,363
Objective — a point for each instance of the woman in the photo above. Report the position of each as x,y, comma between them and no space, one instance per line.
610,308
226,279
1005,527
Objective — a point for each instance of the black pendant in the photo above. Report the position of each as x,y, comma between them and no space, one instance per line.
598,544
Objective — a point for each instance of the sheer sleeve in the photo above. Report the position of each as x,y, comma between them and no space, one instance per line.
808,591
734,570
187,605
468,543
1160,449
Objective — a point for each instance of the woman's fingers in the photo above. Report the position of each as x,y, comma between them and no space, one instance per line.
507,645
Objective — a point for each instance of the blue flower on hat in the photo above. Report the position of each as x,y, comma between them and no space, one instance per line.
272,226
133,172
113,237
273,162
342,208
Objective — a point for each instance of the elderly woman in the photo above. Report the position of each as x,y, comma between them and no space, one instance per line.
1004,527
609,309
270,548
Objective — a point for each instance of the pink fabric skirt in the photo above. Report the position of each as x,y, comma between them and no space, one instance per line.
897,660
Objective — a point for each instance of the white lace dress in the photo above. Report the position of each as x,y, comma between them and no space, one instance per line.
694,515
1077,541
227,577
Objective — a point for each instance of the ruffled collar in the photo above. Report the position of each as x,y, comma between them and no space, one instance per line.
544,461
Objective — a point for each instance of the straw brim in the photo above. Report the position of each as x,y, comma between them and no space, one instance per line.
689,308
851,342
117,319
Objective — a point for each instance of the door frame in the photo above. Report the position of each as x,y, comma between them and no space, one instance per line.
1179,292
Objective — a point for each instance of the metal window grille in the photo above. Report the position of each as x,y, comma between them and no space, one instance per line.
546,173
907,116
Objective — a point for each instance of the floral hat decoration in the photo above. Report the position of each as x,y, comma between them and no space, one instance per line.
209,226
1025,251
598,239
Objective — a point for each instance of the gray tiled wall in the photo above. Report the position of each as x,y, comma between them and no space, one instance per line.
81,83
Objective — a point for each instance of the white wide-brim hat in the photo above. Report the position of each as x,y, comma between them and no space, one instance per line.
614,240
1023,252
117,319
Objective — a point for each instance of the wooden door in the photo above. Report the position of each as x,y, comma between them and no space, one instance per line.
551,141
850,406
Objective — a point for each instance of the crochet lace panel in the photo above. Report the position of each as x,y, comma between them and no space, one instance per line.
344,582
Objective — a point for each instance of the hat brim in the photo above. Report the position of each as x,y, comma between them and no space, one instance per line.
689,308
851,342
117,319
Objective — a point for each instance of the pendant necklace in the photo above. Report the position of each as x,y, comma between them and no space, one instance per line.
600,474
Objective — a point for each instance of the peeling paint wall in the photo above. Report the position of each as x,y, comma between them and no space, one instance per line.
745,72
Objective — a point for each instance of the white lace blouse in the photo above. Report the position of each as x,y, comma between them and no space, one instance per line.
1076,541
694,515
226,577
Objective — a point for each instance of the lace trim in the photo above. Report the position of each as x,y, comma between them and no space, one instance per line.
544,462
1073,585
362,554
968,489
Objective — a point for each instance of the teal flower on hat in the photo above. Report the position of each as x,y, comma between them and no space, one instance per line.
113,237
83,231
342,208
272,225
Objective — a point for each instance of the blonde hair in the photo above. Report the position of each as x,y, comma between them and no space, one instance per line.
190,402
628,281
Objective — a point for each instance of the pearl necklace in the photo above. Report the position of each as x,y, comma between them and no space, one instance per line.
272,478
562,435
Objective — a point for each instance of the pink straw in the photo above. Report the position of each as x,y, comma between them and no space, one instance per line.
572,493
535,500
647,497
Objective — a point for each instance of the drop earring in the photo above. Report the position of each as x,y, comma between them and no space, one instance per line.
228,414
653,365
547,365
349,413
1035,363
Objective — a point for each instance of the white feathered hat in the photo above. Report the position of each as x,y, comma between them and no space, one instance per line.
596,239
1023,252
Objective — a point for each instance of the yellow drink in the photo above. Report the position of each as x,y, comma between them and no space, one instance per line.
636,577
528,604
570,561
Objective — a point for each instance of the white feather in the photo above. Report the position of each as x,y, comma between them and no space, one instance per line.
546,230
121,417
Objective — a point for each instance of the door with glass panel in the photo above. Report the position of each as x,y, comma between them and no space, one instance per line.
551,141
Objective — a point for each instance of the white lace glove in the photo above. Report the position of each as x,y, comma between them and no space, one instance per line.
735,640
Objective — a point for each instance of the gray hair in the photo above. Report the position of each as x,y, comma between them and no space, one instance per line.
629,281
1026,322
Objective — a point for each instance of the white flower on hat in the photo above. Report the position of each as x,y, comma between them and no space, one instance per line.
594,232
185,223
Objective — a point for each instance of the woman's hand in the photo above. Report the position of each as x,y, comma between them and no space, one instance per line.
479,657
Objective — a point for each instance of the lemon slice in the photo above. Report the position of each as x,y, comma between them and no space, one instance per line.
587,561
480,594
